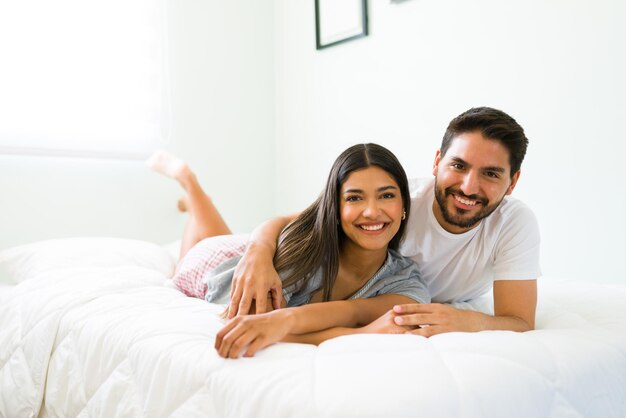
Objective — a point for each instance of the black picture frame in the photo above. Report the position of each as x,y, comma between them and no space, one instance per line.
339,21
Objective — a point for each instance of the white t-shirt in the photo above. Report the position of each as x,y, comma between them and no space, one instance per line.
460,267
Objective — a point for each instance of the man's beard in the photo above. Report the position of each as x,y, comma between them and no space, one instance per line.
457,218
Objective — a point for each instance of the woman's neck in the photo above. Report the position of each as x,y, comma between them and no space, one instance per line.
360,264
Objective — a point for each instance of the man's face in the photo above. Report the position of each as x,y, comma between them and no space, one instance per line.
470,181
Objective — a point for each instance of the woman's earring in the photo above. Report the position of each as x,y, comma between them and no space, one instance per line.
403,214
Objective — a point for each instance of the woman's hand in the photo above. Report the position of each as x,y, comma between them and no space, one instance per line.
385,324
248,334
255,279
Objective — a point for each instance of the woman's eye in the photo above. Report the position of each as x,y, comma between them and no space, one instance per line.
352,198
388,196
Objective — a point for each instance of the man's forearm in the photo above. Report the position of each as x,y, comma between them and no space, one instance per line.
481,321
435,318
505,323
266,235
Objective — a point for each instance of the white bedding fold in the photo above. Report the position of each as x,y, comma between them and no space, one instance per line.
111,340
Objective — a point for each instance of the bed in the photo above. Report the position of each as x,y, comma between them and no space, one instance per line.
89,327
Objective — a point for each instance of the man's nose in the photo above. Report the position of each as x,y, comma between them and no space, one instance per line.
470,184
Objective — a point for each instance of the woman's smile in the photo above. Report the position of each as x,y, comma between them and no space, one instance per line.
373,228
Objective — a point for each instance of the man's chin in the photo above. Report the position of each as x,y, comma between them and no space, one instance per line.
463,223
463,218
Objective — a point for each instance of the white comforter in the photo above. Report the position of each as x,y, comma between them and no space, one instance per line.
88,329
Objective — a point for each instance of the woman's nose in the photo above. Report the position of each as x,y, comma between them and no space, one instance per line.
372,209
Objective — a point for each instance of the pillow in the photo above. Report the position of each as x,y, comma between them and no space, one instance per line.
25,261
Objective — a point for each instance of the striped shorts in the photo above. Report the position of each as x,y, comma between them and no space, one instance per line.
204,257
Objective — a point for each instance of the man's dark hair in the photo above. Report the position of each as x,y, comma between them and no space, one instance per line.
494,124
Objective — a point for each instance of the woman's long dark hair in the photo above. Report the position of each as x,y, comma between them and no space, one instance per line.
315,238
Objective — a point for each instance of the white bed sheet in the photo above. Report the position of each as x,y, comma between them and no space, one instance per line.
88,329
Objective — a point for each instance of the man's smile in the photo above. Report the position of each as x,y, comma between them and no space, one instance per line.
465,201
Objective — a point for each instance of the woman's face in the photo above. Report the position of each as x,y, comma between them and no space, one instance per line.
370,207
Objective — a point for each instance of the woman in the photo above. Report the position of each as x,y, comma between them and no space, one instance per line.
340,250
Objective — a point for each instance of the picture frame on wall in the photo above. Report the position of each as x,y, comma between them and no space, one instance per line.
339,21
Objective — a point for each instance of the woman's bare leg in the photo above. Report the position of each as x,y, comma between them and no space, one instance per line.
204,219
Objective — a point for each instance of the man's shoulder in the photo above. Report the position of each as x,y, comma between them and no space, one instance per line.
512,207
512,214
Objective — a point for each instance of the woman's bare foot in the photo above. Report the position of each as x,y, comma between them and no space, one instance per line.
169,165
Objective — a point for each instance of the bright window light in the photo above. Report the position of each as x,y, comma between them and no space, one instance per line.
83,77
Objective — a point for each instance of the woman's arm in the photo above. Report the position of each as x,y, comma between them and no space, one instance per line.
251,333
385,324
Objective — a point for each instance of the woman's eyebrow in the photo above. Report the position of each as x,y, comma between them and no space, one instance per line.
380,189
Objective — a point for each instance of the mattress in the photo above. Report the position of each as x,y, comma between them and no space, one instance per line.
90,327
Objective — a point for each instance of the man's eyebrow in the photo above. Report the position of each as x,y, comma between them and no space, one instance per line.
380,189
494,168
459,160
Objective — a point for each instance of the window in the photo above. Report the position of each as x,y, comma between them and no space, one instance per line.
83,77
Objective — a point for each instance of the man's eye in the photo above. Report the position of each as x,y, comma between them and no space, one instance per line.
492,174
457,166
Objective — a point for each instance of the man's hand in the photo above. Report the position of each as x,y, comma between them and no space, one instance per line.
514,302
255,278
385,324
436,318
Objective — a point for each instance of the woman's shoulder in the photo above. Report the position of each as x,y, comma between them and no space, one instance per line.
401,276
399,267
397,260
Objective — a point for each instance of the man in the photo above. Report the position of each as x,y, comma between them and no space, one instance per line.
465,234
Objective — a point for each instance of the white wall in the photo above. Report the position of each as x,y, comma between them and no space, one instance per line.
556,66
222,77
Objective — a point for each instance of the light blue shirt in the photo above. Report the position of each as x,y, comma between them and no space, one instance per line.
398,276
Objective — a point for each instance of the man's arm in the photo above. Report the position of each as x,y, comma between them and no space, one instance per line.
515,303
255,275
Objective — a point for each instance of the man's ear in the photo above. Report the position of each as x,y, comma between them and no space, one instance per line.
436,162
513,182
